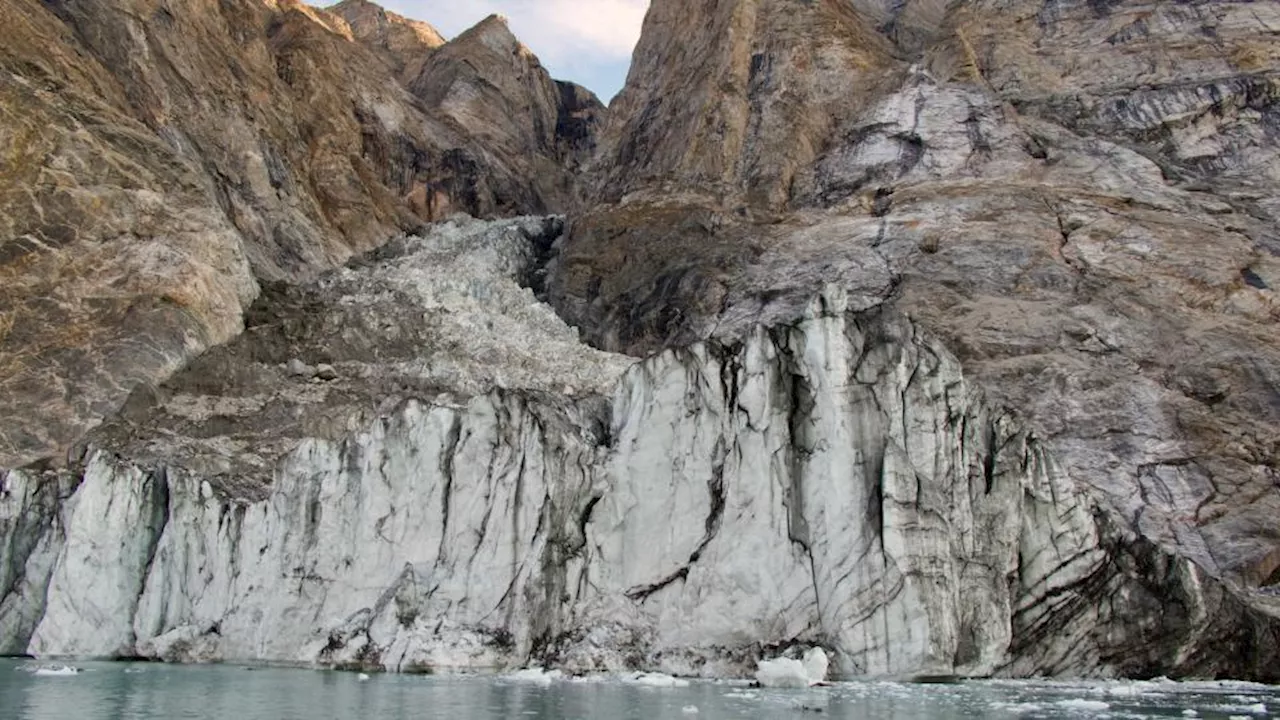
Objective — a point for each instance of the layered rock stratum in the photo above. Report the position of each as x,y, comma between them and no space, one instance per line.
940,336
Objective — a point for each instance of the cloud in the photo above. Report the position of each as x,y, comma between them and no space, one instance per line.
587,41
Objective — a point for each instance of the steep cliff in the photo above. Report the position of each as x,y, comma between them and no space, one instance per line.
949,337
488,81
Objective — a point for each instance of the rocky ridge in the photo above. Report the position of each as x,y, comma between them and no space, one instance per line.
403,44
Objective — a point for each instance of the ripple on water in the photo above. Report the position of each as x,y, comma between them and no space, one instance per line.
153,692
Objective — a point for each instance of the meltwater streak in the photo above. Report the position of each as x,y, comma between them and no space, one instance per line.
150,692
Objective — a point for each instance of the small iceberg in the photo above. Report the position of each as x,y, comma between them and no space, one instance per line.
56,671
789,673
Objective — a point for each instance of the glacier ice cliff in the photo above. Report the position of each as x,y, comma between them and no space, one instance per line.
412,465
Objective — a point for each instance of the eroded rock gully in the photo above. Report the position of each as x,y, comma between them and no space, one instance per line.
949,331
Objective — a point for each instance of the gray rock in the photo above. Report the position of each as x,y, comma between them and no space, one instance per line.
297,368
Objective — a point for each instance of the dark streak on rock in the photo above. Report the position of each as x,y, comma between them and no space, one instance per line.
715,518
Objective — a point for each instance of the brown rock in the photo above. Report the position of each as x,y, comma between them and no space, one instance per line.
489,82
729,100
161,158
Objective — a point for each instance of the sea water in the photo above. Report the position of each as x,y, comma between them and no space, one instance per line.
119,691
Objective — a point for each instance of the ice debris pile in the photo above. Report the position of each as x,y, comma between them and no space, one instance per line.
789,673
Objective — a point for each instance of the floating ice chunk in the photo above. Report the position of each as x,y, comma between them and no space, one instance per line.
535,676
654,680
58,671
690,710
1253,709
1081,705
816,664
782,673
362,677
1190,713
1140,689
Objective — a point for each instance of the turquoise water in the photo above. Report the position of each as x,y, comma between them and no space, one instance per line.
147,692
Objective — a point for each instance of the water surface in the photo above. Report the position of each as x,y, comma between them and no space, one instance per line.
152,692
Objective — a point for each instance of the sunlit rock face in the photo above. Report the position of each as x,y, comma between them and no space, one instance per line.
402,43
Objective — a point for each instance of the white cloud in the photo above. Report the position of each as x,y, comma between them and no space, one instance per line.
588,41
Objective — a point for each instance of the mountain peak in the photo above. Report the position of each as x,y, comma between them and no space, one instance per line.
494,32
401,42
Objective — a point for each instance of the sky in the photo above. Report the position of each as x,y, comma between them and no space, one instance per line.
586,41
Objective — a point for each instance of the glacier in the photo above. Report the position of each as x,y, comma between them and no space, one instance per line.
829,482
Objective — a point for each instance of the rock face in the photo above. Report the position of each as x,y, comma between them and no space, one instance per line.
949,331
161,159
486,80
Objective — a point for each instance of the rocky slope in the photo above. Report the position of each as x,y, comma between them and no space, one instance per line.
403,44
160,160
941,336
